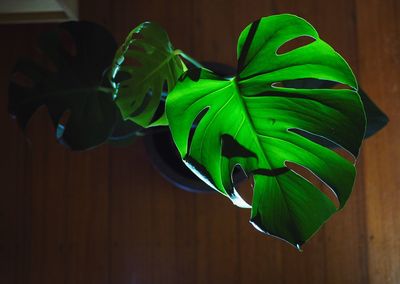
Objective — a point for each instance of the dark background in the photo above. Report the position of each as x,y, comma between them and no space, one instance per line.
106,216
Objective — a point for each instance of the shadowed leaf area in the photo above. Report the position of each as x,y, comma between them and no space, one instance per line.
68,79
252,121
143,66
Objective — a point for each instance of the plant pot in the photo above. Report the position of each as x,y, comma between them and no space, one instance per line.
167,161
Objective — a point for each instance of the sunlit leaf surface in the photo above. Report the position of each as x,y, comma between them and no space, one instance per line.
254,120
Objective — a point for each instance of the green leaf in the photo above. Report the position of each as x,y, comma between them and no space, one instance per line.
141,67
79,53
376,119
266,122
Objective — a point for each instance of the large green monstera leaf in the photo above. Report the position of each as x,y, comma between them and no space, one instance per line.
142,66
251,120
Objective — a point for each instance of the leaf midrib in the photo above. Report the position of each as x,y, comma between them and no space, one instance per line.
247,115
214,117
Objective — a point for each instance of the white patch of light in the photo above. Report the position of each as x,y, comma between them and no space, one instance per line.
60,130
258,228
200,175
239,201
297,246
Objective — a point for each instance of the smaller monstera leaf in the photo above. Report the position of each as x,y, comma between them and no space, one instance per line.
69,81
142,67
254,121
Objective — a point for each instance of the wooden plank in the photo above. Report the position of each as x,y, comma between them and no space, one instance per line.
86,196
46,181
69,210
11,168
378,25
15,207
131,212
106,216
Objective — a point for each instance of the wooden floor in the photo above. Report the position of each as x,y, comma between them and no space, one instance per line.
106,216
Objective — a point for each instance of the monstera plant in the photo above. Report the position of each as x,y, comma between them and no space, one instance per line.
281,111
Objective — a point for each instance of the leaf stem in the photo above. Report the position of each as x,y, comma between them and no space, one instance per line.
188,58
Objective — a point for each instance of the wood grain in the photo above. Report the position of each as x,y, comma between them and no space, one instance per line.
107,216
378,29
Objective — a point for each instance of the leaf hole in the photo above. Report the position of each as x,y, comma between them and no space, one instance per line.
294,44
314,180
159,111
309,83
121,76
345,154
145,102
340,86
243,183
340,150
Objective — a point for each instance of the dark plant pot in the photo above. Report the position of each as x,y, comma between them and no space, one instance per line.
166,159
